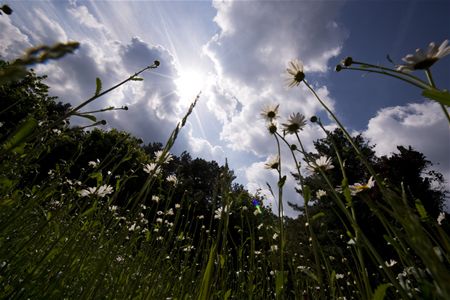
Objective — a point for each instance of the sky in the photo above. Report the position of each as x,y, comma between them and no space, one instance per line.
236,53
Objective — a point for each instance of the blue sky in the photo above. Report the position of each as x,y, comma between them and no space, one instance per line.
236,53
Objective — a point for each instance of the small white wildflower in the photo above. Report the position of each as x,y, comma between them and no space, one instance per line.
104,190
441,218
244,207
162,157
273,163
270,112
424,60
101,191
295,123
339,276
275,236
56,131
351,242
177,205
201,217
170,212
390,263
322,162
256,212
132,227
152,168
94,163
274,248
260,226
295,73
159,220
320,194
159,213
359,187
172,179
119,258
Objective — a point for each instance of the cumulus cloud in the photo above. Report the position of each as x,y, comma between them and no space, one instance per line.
13,40
250,67
422,126
153,103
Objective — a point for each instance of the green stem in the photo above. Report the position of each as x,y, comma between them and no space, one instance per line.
416,82
403,74
430,79
280,214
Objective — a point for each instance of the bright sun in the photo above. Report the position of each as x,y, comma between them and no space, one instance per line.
189,84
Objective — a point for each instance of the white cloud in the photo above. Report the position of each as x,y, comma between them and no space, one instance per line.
420,125
13,40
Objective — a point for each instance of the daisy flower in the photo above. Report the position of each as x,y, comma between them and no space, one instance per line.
295,123
359,187
422,60
273,163
270,112
322,162
295,71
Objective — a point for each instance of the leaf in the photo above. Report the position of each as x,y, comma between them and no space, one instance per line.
381,291
90,117
98,86
222,261
227,295
443,97
306,194
137,78
318,215
421,210
346,192
279,283
21,134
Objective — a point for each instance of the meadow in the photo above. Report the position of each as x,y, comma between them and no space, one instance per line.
88,213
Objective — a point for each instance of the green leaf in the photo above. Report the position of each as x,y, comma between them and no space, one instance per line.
21,134
98,86
443,97
306,194
227,295
137,78
279,283
381,291
346,192
90,117
222,261
318,215
421,209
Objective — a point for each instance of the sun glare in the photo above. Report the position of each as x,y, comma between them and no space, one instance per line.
189,84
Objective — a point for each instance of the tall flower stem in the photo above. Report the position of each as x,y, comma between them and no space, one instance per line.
281,181
430,79
389,71
347,135
414,80
352,210
314,241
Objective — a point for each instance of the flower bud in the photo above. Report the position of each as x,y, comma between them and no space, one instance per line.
293,147
338,68
103,122
347,61
272,128
6,9
156,63
313,119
